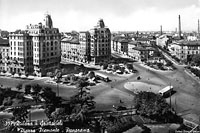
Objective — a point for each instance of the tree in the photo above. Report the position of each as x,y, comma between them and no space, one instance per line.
48,95
169,63
7,101
36,91
27,89
129,66
19,86
58,76
82,67
20,113
196,59
20,97
116,67
26,74
105,66
50,74
91,74
154,106
13,73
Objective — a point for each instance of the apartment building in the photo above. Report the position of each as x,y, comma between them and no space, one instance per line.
140,51
184,50
120,45
4,54
84,40
100,46
70,49
76,49
21,54
37,49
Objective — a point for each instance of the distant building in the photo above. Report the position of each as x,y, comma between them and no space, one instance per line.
164,40
120,45
4,54
100,47
131,45
69,50
184,50
37,49
139,51
143,40
76,50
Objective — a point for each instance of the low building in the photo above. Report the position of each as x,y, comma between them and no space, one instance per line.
140,51
131,45
120,45
184,50
164,40
143,40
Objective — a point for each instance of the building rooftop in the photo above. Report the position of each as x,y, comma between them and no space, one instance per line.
186,43
144,48
142,39
19,32
72,41
4,42
132,42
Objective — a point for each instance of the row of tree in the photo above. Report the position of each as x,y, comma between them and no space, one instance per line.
154,106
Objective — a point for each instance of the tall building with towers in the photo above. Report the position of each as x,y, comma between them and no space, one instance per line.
100,48
92,47
37,48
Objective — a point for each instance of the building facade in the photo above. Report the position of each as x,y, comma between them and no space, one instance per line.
76,50
21,54
120,45
4,54
184,50
140,51
100,46
36,50
70,49
84,40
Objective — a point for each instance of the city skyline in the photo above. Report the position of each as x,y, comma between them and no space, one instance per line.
118,15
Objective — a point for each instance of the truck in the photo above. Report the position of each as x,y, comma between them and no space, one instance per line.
166,91
102,77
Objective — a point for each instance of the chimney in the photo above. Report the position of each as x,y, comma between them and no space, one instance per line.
179,26
161,30
198,27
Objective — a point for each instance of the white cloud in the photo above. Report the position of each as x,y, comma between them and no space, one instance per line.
141,19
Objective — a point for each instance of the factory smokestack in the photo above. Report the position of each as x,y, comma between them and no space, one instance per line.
161,30
198,27
179,26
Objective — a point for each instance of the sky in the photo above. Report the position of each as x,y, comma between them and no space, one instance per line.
118,15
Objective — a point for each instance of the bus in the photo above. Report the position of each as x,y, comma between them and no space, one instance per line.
166,91
102,77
